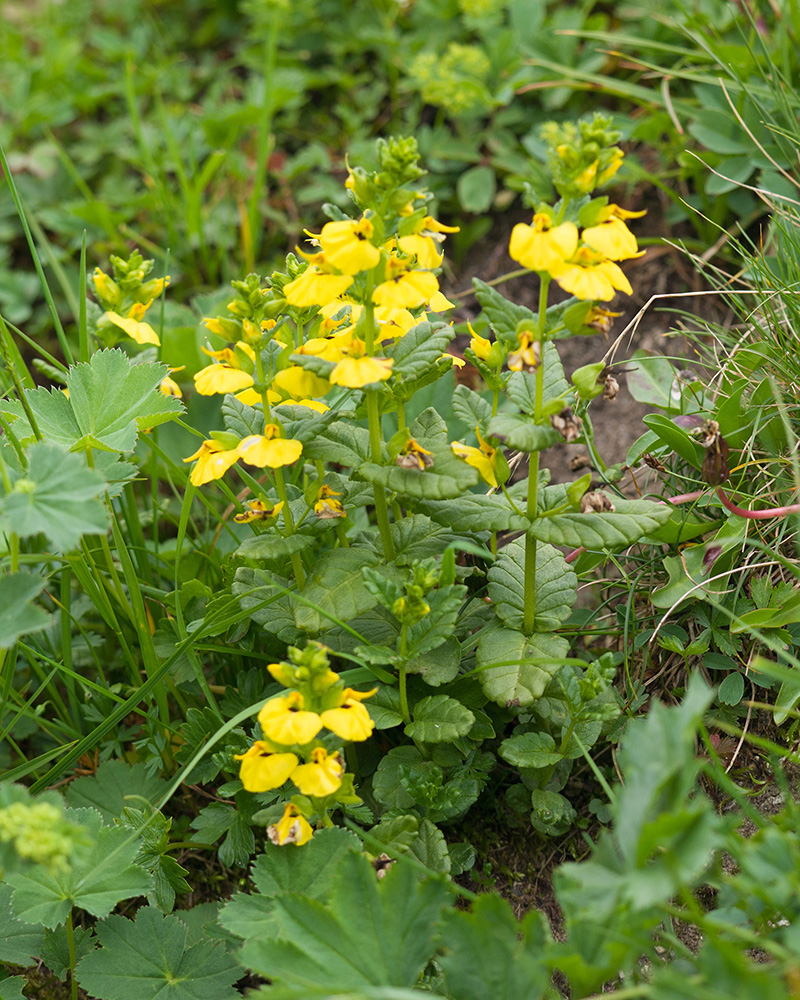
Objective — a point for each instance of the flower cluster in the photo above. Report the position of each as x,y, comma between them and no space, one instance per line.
290,748
126,298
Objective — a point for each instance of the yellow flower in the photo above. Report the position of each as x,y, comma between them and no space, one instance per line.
481,458
457,361
439,302
292,828
262,769
612,238
169,387
316,287
589,275
542,246
611,168
325,507
258,510
312,404
142,333
322,776
346,245
270,449
350,720
213,461
480,345
404,288
283,720
423,248
226,374
355,373
300,383
527,355
413,456
393,322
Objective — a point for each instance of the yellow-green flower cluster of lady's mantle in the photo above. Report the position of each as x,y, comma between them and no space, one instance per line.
290,749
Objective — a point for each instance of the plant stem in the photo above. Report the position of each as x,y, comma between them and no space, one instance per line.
529,612
374,421
401,675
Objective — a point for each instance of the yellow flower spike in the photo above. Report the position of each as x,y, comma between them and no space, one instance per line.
321,776
213,461
528,355
315,287
284,721
325,507
269,449
292,828
346,245
258,510
282,672
613,239
262,769
300,383
481,458
403,288
542,246
350,720
142,333
587,178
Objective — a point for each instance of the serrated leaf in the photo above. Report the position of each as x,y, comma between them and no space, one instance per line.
439,719
268,602
110,401
628,523
471,408
241,419
438,625
556,586
418,349
439,665
19,942
475,512
55,953
12,986
342,443
387,786
99,880
417,537
218,819
310,871
517,431
503,315
521,387
530,750
272,547
514,668
150,957
337,586
58,496
430,848
372,933
17,615
384,707
106,789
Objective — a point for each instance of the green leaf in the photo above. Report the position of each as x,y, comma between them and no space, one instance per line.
57,496
439,665
384,707
430,848
652,380
336,586
476,189
476,512
471,408
522,385
719,132
19,942
491,954
268,602
556,586
55,953
341,442
417,537
439,624
628,523
552,814
270,547
17,615
530,750
219,818
11,988
150,956
676,438
517,431
99,880
240,419
439,719
387,786
110,401
731,690
371,933
514,668
106,790
503,315
418,349
310,871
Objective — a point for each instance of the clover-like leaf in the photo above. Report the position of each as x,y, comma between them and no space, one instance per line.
58,496
110,400
150,957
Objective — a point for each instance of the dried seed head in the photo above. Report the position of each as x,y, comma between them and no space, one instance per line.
653,462
579,462
610,387
595,502
567,424
382,864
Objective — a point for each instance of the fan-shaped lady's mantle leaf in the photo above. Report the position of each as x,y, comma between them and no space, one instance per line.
149,957
110,401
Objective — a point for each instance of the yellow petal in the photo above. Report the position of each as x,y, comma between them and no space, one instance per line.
283,720
271,453
292,828
142,333
350,721
355,373
262,769
316,288
406,291
300,383
221,379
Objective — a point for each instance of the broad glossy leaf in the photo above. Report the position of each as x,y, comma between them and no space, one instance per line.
514,668
150,956
628,523
58,496
556,586
17,615
439,719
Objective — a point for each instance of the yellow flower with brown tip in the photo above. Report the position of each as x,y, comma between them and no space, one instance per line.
347,246
350,720
258,510
321,776
213,461
527,355
168,386
325,507
292,828
284,720
542,246
482,458
413,456
270,450
263,769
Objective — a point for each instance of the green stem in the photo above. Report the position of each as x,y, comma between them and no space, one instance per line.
529,613
297,565
495,401
374,421
73,982
401,415
401,674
